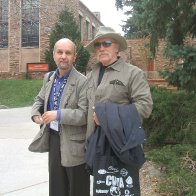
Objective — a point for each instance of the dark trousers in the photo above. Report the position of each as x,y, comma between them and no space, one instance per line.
65,181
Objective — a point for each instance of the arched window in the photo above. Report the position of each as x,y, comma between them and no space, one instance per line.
30,23
3,23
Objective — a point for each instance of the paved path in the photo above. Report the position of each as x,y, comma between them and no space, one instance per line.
22,172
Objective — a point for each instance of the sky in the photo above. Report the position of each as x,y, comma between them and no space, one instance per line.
109,14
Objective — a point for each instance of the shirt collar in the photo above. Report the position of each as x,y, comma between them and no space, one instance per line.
117,65
64,77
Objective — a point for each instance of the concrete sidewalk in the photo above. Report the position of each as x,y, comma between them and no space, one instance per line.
22,172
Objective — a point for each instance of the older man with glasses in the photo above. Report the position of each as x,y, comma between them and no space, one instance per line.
114,81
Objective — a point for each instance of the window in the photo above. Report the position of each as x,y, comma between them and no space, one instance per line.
93,32
3,23
87,30
81,26
30,23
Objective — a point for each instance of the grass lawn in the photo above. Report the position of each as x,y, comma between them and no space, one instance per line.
18,93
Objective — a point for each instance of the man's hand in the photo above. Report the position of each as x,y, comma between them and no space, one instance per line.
38,119
49,116
95,118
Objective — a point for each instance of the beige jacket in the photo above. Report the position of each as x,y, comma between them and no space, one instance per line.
122,83
73,118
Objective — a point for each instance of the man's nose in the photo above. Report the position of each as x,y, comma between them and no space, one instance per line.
102,47
64,55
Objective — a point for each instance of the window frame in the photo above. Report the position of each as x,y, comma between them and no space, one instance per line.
30,23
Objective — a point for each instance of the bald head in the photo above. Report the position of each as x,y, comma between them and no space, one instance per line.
65,41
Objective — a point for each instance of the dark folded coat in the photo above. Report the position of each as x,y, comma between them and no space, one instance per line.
121,130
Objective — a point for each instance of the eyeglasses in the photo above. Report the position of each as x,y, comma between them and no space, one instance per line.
105,44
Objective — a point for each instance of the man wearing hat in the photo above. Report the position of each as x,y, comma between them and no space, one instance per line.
112,80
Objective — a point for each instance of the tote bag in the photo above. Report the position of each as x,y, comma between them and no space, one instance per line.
113,177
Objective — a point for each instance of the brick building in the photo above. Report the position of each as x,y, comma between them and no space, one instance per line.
25,26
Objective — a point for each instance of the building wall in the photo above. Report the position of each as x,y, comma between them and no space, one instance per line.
138,54
92,18
14,58
4,56
14,37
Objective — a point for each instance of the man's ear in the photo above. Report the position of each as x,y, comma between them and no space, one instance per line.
75,57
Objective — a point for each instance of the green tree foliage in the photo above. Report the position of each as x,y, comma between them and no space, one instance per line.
173,117
67,26
184,75
172,20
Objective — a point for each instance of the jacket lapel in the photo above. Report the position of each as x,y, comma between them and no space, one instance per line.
48,84
69,88
95,75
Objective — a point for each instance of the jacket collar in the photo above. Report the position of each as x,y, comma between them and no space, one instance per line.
116,66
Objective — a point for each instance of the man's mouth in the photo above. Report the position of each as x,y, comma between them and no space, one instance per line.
103,54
